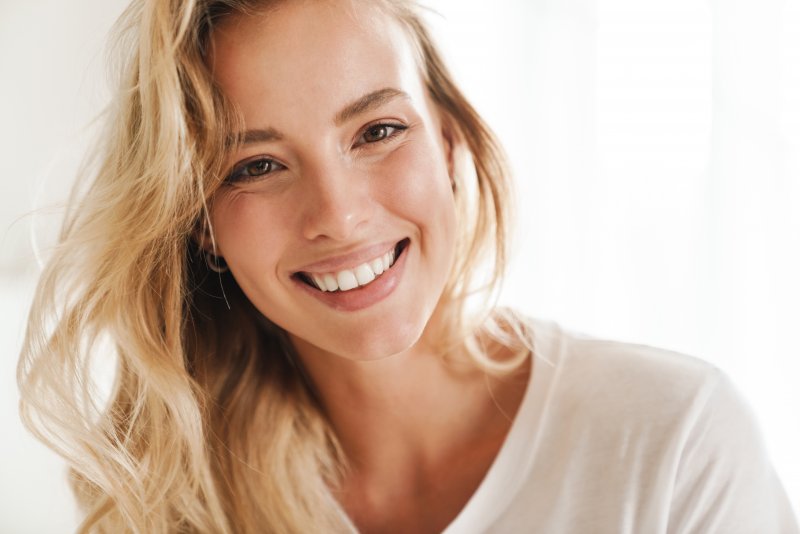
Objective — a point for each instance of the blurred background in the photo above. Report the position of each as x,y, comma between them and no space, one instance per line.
656,145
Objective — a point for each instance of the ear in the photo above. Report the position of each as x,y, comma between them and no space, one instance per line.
453,143
203,237
451,140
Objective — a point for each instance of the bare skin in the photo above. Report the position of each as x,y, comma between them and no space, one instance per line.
408,489
420,435
323,190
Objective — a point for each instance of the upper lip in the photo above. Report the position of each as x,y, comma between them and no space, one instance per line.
348,260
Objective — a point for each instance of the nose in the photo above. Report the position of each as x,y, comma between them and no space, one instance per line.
337,202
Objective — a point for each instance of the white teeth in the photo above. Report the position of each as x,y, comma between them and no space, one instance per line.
347,280
319,282
388,259
330,282
377,266
361,275
364,274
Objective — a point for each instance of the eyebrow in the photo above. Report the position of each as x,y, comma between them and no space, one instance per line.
261,135
368,102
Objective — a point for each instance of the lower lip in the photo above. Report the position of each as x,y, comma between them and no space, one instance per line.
365,296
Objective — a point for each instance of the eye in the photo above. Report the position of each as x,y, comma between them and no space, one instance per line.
380,132
254,169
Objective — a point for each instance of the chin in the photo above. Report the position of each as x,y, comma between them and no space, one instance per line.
378,343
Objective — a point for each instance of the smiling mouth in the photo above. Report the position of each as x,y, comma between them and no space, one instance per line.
357,277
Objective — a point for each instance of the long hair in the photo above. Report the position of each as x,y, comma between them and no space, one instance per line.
210,424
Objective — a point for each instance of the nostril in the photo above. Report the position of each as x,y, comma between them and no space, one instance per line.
336,210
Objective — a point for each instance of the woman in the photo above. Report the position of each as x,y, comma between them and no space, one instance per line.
278,248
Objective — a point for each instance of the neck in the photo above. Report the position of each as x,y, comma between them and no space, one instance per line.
412,411
395,409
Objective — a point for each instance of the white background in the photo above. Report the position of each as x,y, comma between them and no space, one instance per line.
656,145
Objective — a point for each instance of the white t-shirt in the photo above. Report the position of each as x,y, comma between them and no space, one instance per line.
619,438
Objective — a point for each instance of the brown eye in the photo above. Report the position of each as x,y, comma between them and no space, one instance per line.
259,167
376,133
380,132
253,170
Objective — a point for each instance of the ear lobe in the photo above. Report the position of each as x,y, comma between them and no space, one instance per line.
203,238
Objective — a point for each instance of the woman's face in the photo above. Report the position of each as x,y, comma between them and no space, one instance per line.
342,180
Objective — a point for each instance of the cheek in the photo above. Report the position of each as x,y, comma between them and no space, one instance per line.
247,232
421,192
415,180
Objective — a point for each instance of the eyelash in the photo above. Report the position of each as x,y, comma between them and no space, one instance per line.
398,128
240,173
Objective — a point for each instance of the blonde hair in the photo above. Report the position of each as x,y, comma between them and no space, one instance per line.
210,425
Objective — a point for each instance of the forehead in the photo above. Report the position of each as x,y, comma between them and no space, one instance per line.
311,54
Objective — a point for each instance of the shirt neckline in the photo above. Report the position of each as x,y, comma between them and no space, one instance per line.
513,462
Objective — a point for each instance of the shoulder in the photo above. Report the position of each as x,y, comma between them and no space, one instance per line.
616,377
654,419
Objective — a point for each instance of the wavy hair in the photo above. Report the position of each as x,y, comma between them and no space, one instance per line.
210,424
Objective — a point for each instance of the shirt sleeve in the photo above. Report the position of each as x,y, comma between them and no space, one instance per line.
725,482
